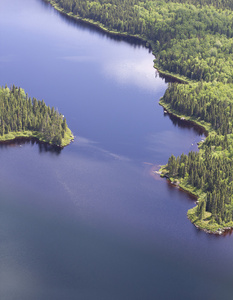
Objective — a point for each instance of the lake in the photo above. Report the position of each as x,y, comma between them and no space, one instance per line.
93,221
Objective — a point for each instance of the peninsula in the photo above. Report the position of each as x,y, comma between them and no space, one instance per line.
23,117
192,41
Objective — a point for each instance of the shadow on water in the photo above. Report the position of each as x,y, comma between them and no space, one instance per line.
136,43
190,196
84,25
43,147
167,78
186,124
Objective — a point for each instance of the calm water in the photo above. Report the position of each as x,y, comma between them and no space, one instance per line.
91,222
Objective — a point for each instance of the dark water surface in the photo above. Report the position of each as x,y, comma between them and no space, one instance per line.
91,222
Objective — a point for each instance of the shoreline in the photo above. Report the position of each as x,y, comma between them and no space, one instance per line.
203,125
96,24
139,38
191,214
34,135
216,229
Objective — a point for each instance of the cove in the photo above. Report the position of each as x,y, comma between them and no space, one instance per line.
89,222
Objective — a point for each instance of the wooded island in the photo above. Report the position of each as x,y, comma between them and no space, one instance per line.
192,40
22,117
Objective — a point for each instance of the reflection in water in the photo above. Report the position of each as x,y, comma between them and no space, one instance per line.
43,147
84,25
171,187
168,78
90,224
130,71
186,124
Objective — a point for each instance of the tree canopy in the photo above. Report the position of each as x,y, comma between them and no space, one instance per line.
192,40
25,116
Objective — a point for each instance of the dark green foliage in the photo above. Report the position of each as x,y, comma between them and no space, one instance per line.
201,209
212,103
223,4
20,113
211,170
193,39
210,173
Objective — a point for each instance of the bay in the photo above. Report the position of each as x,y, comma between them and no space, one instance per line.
90,221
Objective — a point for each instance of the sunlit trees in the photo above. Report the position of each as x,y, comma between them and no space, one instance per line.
20,113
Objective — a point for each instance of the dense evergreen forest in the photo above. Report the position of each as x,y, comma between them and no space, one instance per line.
21,116
192,40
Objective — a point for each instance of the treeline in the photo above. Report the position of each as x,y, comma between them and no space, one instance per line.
192,39
115,14
19,113
209,172
210,102
222,4
212,175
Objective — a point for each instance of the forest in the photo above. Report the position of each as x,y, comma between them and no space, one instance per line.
192,40
21,116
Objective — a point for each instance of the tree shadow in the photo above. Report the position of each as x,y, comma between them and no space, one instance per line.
42,146
185,124
85,25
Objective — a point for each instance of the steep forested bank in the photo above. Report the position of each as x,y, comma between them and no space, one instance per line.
192,40
21,116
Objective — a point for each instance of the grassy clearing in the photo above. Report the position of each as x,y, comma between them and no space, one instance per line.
207,224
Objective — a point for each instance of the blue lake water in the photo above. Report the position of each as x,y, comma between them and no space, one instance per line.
91,222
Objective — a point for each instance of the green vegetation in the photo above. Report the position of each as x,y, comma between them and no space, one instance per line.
22,117
208,175
190,38
192,41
